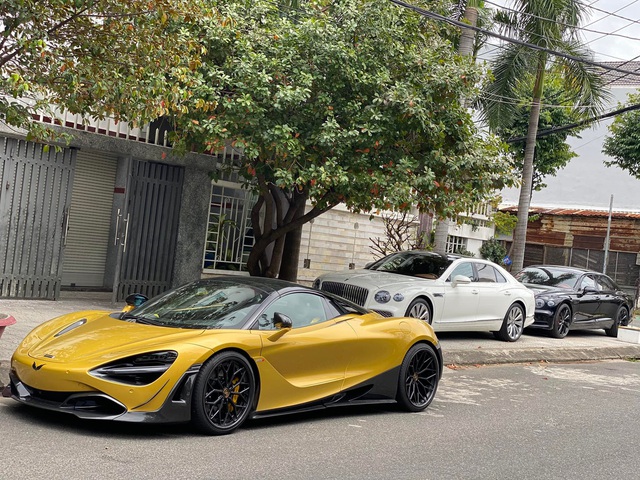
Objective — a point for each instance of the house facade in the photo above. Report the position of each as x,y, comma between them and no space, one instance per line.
586,238
104,212
115,210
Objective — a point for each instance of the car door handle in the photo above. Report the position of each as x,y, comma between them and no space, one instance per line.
475,292
507,293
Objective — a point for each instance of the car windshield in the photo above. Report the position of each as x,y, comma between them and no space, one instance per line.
205,304
549,276
417,264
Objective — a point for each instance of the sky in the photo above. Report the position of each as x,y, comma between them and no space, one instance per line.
614,47
607,48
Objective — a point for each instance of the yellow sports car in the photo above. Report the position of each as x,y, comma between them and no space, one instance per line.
217,352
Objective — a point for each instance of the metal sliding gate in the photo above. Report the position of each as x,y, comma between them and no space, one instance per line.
148,229
35,194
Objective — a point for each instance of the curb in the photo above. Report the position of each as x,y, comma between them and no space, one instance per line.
497,357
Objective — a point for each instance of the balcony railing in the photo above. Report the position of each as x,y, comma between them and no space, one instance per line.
151,133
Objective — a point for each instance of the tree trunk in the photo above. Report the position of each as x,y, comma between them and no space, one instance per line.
291,254
467,37
440,236
283,214
524,202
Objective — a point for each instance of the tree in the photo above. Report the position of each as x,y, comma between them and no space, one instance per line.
92,57
493,250
401,233
352,101
552,152
475,13
466,47
554,26
623,143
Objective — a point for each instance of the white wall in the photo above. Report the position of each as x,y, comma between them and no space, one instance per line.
335,243
586,181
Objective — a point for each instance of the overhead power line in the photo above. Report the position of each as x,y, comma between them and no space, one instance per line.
549,131
613,34
615,31
610,14
437,16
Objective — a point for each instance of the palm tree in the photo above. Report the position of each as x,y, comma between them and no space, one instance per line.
551,25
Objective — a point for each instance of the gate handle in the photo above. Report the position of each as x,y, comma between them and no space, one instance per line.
65,222
126,234
115,236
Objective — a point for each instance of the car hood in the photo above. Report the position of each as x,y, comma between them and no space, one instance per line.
102,336
547,290
372,279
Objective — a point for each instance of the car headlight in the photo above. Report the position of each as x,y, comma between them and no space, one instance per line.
398,297
382,296
541,302
140,369
316,283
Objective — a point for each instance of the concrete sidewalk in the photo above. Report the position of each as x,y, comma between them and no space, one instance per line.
474,348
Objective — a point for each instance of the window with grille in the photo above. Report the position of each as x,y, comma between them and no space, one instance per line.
456,244
229,233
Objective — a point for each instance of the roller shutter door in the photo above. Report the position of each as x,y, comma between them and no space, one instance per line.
85,253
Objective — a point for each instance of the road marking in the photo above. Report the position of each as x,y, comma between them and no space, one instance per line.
355,426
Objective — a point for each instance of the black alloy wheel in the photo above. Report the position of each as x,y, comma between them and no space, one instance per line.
561,321
419,308
622,318
223,394
418,379
512,325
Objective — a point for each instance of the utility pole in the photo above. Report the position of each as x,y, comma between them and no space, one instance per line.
607,238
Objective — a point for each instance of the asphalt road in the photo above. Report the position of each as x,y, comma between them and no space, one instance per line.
525,421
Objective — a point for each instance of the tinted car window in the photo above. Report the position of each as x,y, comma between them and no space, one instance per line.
588,281
465,269
486,273
413,263
303,309
342,307
205,304
606,284
550,276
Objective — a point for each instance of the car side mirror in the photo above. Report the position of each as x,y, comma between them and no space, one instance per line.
281,321
460,280
588,290
134,300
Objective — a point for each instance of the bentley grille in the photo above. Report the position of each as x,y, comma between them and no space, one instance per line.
353,293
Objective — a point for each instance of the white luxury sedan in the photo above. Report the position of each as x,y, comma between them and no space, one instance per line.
450,292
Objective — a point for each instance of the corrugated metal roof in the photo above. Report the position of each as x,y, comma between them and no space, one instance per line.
578,212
